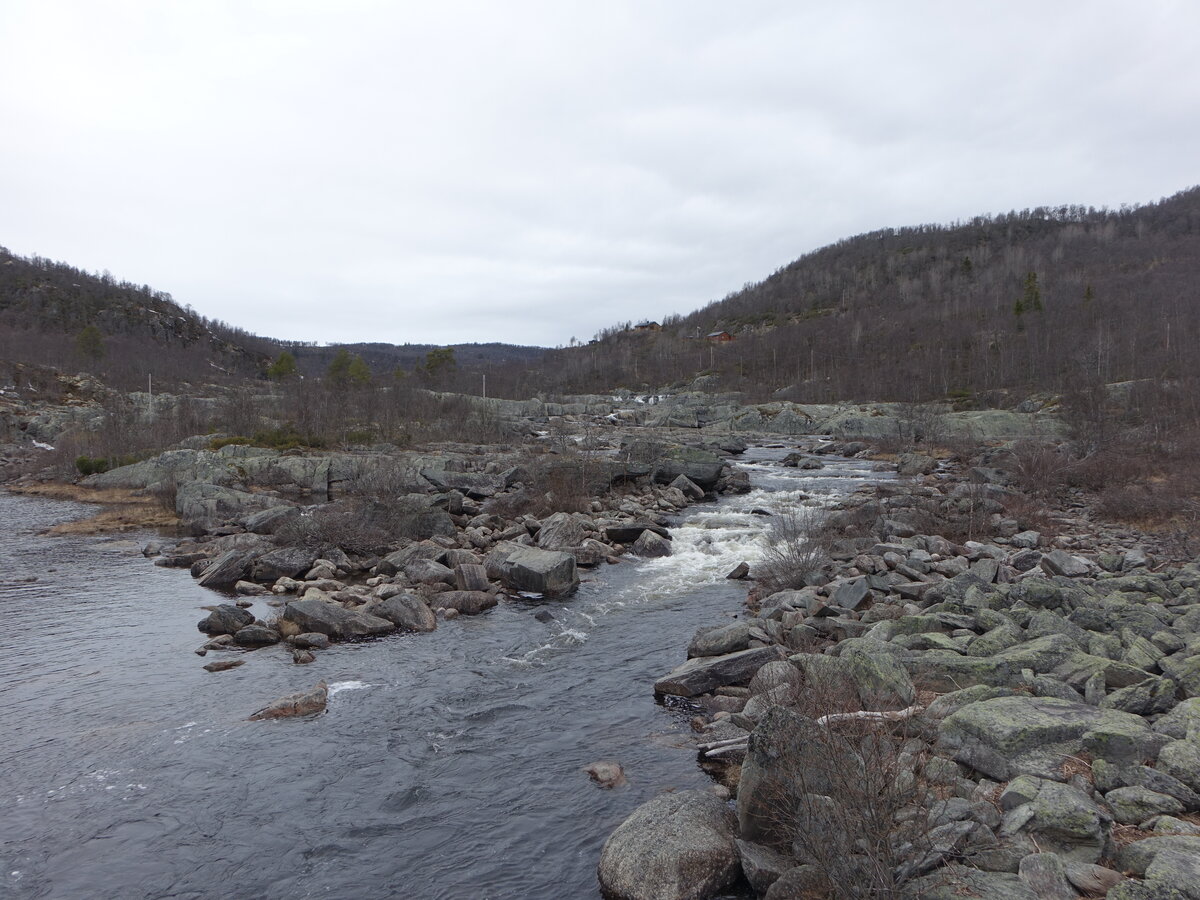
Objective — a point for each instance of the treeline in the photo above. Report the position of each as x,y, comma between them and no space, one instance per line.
1048,299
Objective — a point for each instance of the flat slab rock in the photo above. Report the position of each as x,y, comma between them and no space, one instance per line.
706,673
1009,736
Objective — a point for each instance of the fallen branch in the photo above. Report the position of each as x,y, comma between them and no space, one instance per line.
888,716
727,751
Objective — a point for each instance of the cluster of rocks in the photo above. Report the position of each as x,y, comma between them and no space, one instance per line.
1052,688
469,559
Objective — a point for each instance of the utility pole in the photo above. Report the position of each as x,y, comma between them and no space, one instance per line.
485,385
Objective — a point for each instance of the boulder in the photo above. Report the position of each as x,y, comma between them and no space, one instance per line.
332,620
1063,819
225,619
678,846
256,636
915,464
426,571
285,562
227,570
271,520
312,640
1007,736
468,603
547,572
1181,760
224,665
305,703
706,673
407,612
650,545
561,531
1133,805
720,639
199,503
1060,562
471,577
701,467
607,773
688,488
628,532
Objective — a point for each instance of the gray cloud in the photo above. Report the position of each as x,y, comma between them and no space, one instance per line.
532,171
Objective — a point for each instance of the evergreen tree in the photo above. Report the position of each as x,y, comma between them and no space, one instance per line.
339,368
358,373
90,344
283,367
1032,299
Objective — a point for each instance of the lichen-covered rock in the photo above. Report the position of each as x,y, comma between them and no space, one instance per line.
1133,805
675,847
1063,819
1181,759
881,680
1008,736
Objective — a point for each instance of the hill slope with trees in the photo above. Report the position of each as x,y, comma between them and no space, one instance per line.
1037,300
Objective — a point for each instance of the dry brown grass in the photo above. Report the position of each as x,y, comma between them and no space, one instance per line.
122,509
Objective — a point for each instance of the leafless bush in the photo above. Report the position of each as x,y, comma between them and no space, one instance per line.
847,795
562,484
1040,467
797,548
164,493
359,526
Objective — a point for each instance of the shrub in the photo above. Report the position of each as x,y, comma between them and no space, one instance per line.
564,484
846,793
797,548
91,465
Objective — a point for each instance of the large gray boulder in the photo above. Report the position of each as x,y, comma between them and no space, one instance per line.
332,620
650,545
706,673
201,504
269,521
718,640
548,572
561,531
469,603
1008,736
225,619
285,562
677,846
227,569
407,612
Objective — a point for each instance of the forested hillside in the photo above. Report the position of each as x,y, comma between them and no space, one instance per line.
56,315
1041,299
52,314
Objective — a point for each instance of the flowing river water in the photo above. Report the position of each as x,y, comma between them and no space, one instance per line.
447,765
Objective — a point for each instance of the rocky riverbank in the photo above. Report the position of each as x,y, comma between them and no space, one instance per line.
1014,714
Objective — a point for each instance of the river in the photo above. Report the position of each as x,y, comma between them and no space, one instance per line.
447,766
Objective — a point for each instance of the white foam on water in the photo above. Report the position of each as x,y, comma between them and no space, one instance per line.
338,686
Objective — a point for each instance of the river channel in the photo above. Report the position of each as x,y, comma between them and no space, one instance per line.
447,766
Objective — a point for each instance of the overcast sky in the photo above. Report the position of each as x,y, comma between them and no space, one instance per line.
529,172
